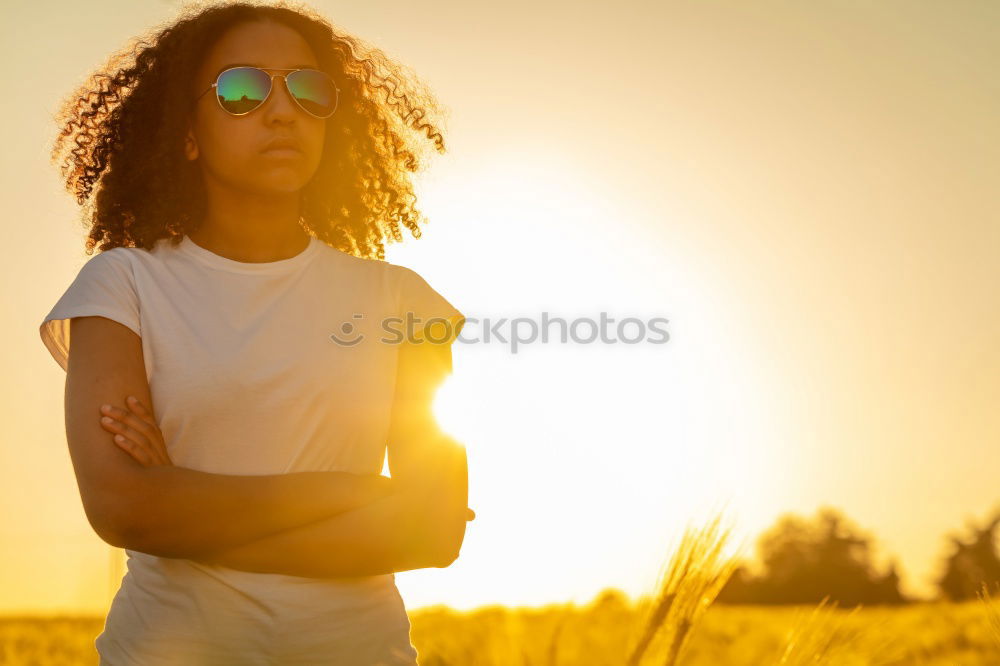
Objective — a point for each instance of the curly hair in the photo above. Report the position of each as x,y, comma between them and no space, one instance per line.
122,135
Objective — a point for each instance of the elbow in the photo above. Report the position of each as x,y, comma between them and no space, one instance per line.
138,533
449,547
109,534
139,518
112,524
445,562
436,528
446,557
140,536
435,546
133,536
123,522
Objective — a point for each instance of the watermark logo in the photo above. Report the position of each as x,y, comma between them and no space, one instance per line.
349,335
514,332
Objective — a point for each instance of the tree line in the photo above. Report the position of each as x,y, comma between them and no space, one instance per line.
803,560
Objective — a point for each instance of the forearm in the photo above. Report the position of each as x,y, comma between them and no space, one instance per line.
185,512
379,538
420,525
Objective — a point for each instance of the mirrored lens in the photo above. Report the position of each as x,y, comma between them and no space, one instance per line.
314,90
243,89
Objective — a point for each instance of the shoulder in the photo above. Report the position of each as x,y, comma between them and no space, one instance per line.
360,268
401,272
128,266
404,277
136,260
117,262
415,295
116,255
123,256
409,287
401,284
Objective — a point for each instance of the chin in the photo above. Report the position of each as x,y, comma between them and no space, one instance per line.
292,184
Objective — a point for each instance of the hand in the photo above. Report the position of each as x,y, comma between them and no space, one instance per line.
136,432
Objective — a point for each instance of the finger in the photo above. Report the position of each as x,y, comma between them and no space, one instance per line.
112,425
129,418
119,428
134,449
147,415
143,422
141,409
136,406
125,435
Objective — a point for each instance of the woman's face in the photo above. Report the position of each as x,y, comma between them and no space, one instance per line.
230,148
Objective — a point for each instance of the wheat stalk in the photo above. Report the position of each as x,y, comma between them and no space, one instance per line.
693,578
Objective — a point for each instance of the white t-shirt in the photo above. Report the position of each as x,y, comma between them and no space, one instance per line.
247,379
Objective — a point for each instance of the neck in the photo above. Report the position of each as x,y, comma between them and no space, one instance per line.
252,229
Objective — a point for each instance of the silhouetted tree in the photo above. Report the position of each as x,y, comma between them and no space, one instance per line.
971,562
804,561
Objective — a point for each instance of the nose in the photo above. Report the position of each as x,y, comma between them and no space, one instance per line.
280,103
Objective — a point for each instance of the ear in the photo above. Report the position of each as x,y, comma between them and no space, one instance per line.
190,146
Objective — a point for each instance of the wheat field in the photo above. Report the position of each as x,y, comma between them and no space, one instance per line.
676,624
934,634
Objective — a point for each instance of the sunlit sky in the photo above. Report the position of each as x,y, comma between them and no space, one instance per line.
806,191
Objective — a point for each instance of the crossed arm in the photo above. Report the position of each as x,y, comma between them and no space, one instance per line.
410,529
317,524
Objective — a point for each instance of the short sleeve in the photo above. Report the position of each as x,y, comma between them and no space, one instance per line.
425,314
104,287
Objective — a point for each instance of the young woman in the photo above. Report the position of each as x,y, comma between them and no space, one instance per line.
243,356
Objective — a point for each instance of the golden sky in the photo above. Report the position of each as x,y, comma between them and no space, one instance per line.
807,191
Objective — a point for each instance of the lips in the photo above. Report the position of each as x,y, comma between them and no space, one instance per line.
282,145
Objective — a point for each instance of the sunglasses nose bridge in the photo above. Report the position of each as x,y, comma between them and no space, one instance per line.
288,91
271,90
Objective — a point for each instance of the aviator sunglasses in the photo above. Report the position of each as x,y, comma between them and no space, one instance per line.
240,90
